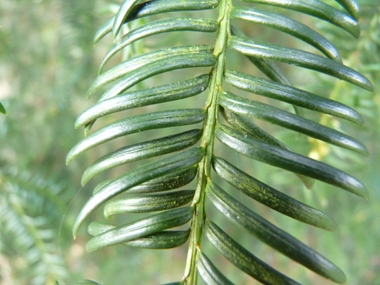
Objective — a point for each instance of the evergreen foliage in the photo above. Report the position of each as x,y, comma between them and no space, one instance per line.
195,123
226,117
29,210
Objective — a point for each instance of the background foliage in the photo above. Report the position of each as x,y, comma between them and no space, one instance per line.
48,62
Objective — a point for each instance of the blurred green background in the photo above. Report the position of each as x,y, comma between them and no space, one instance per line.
47,63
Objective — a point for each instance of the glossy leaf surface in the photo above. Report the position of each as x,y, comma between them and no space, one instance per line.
291,95
299,58
317,9
156,7
289,160
173,180
121,15
243,259
151,203
160,240
244,126
209,273
273,236
285,119
351,6
137,176
163,66
2,109
270,197
137,124
140,151
162,26
287,25
141,228
154,68
132,64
